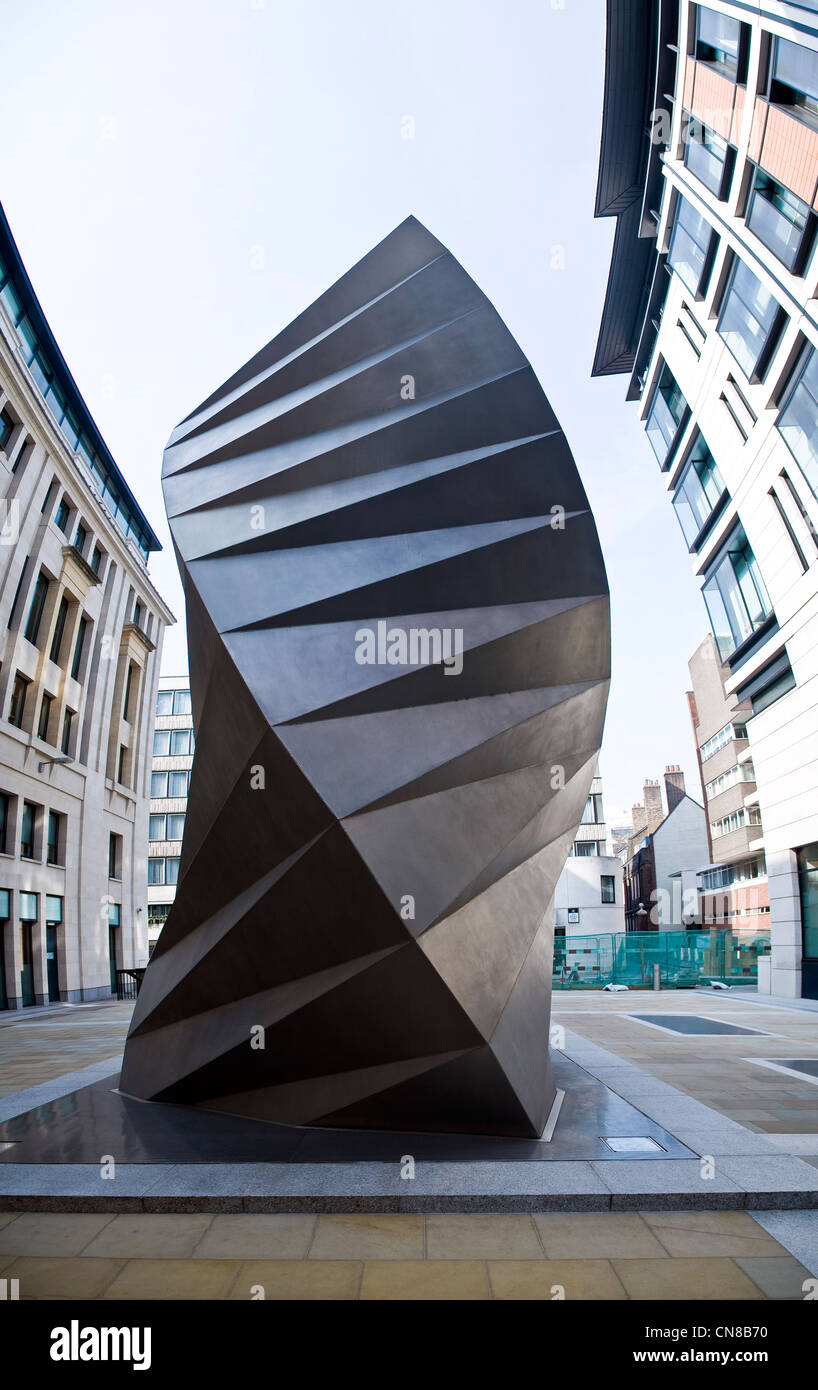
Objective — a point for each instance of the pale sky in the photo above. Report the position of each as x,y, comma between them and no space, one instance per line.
183,178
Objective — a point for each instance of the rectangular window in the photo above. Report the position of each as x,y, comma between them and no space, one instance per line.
53,847
6,428
798,421
122,765
18,700
779,219
156,828
607,885
78,648
808,883
180,742
177,783
62,514
664,418
4,823
794,79
748,315
171,871
27,830
114,855
175,826
721,740
735,595
690,246
59,630
164,702
35,612
699,491
80,537
46,706
585,849
126,704
161,743
181,702
67,726
720,42
159,785
156,872
96,559
706,156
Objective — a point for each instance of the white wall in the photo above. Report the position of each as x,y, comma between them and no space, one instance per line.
579,886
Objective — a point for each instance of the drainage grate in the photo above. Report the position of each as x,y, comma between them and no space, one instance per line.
695,1025
632,1144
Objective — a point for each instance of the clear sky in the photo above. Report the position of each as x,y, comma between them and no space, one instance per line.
183,178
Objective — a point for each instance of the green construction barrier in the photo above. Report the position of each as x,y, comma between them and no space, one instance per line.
685,958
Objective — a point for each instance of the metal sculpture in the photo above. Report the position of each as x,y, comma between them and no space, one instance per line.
399,645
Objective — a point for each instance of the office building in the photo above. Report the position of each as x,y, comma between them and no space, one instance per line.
82,628
170,779
709,163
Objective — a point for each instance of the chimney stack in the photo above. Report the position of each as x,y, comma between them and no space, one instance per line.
639,819
653,805
674,786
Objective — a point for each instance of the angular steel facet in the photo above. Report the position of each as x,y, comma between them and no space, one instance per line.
371,847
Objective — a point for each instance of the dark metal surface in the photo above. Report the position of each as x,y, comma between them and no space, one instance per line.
371,850
97,1120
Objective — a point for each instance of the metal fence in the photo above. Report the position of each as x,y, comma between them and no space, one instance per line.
685,958
128,982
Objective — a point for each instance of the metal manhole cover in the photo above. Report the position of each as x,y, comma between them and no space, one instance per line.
632,1144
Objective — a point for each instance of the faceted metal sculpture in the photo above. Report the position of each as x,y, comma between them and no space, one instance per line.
399,638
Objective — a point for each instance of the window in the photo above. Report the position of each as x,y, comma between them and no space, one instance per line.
721,740
748,315
156,872
156,828
122,766
137,614
593,814
27,830
78,648
779,219
794,79
46,706
798,421
775,679
59,630
161,743
175,826
181,702
737,820
808,886
720,42
586,849
607,886
35,612
4,822
664,418
126,705
67,725
18,700
735,595
114,855
699,491
689,245
62,513
177,783
180,741
159,785
6,428
164,702
709,158
740,772
96,559
80,537
53,855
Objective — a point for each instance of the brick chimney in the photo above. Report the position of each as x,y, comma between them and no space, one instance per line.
674,786
653,804
638,819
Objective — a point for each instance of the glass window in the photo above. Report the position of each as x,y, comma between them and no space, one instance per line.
718,41
114,855
698,492
96,559
778,218
798,421
175,827
705,154
80,537
59,630
808,882
181,702
78,648
607,884
794,79
180,742
748,314
159,784
53,846
35,612
665,415
156,828
62,513
171,871
27,831
164,702
161,743
156,871
735,595
4,822
689,245
177,783
28,907
18,700
46,705
114,910
67,725
6,428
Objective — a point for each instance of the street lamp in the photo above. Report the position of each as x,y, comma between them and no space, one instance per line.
53,762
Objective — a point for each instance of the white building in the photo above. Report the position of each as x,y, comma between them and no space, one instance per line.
82,628
710,164
589,894
173,744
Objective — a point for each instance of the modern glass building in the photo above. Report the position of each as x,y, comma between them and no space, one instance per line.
81,627
709,164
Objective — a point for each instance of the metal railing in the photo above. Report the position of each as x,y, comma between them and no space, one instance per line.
685,958
128,982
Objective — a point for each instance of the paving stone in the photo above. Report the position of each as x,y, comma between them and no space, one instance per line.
44,1233
424,1279
149,1236
174,1279
711,1233
797,1231
607,1234
360,1237
258,1237
555,1280
482,1237
665,1181
689,1279
781,1277
314,1280
771,1174
62,1278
